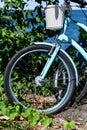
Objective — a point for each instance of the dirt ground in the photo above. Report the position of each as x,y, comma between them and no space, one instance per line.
78,113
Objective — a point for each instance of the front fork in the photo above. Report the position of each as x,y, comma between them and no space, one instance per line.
49,62
40,78
52,54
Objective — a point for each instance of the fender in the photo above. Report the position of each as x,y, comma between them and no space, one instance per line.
84,27
74,66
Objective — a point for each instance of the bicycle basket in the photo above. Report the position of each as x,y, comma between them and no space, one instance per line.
54,17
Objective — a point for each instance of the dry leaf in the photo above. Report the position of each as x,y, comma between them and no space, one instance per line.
4,118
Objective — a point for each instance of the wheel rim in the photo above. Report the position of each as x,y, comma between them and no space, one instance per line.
23,84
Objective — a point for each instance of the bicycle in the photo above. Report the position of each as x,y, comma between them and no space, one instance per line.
44,76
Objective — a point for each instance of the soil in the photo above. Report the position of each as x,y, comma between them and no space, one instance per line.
77,112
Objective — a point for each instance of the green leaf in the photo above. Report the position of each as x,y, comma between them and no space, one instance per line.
1,89
69,125
85,119
13,115
26,113
2,105
33,118
47,121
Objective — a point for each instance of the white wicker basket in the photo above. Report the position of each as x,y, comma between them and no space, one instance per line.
54,17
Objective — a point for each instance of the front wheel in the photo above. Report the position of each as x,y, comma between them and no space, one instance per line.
26,66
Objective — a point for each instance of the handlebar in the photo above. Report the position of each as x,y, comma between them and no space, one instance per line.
81,2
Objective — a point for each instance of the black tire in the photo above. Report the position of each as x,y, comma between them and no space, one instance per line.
81,66
19,80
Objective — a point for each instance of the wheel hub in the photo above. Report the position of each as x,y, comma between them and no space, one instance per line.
38,81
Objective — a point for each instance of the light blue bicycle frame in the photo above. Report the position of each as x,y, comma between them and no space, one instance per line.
64,37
